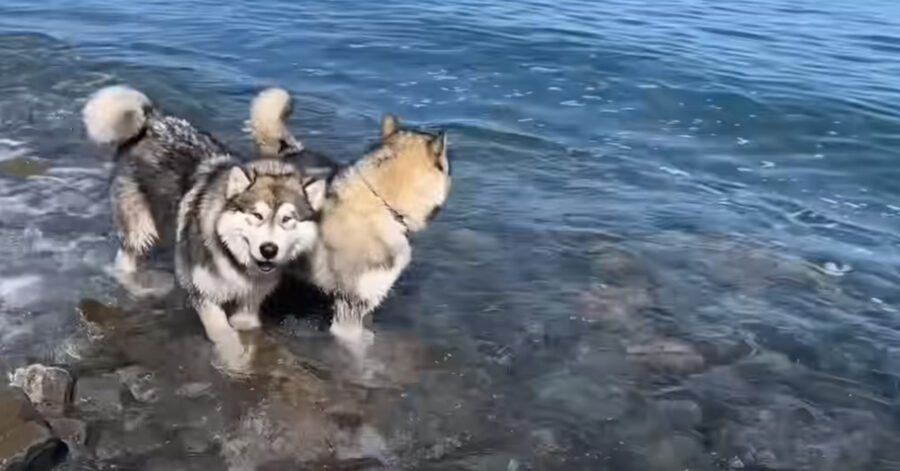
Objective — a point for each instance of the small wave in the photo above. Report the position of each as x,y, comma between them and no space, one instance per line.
7,142
543,69
11,149
20,291
674,171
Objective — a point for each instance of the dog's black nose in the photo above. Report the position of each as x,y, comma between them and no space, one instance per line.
268,250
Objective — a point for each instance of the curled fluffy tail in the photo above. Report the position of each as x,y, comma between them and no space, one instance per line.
113,115
268,115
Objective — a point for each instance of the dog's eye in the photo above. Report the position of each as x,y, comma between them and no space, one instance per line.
257,216
287,219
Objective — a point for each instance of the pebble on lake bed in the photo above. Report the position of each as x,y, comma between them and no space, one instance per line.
667,356
194,390
140,383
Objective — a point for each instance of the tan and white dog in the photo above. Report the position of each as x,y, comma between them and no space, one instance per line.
371,208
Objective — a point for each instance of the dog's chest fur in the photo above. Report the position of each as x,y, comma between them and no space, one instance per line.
222,283
361,261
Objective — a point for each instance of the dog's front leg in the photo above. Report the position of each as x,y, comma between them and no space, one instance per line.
247,315
227,341
347,324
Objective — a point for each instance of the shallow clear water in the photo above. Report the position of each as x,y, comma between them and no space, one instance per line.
671,242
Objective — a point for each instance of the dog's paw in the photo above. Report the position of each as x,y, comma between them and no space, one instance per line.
355,337
233,355
245,321
147,283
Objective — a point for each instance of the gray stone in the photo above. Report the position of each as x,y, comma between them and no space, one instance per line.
590,399
363,442
99,395
194,441
112,443
681,414
71,431
674,452
667,356
47,387
443,448
26,443
79,461
135,418
97,316
491,462
194,390
140,382
545,441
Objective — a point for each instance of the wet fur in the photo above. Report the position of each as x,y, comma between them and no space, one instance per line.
371,207
174,183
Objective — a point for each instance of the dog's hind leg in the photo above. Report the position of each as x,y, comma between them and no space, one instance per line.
134,223
137,236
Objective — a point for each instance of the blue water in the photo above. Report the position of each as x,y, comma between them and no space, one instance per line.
671,243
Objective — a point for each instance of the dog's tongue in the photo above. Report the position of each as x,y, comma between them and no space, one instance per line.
266,267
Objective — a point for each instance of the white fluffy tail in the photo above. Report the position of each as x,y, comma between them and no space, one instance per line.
115,114
268,115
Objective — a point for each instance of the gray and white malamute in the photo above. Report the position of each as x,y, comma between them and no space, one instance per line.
371,208
234,226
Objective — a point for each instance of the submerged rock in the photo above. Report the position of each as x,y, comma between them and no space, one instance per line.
675,452
115,444
667,356
195,441
140,383
358,443
72,431
788,433
99,395
99,318
194,390
545,442
47,387
23,167
26,443
279,432
681,414
581,397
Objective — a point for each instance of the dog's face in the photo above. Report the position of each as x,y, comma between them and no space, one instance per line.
422,168
269,219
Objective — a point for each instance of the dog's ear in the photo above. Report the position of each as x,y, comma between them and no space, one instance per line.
238,182
438,148
389,125
315,192
438,144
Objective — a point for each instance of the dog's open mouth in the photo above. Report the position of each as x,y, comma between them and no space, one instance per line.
265,267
